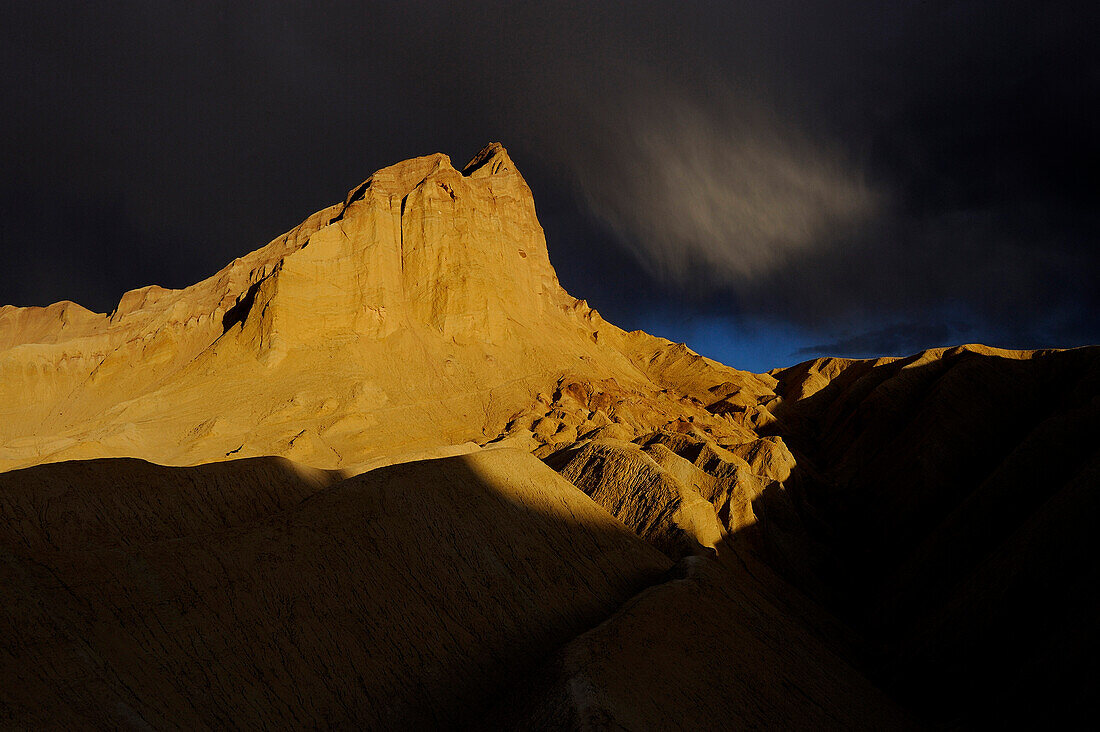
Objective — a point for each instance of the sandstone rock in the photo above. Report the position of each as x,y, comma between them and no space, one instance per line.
664,511
420,311
415,335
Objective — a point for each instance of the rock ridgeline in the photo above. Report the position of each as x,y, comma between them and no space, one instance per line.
385,471
421,311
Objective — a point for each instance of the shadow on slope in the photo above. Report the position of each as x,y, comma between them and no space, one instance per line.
408,595
88,504
726,639
953,497
707,649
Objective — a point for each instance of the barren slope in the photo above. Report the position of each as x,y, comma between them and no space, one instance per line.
942,505
421,311
405,596
949,494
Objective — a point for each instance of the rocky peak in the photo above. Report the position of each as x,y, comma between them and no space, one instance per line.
416,245
420,310
492,160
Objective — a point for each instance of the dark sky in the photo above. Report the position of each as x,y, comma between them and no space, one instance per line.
766,181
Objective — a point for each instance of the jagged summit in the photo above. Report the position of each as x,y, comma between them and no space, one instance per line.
492,160
416,244
421,310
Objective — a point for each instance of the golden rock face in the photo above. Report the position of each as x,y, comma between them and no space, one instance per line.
354,516
420,312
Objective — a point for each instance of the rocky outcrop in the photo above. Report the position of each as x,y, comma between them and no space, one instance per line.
669,513
420,311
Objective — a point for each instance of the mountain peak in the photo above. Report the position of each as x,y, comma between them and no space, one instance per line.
416,244
493,159
419,310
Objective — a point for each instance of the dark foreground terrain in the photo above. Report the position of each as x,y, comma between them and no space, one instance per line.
386,473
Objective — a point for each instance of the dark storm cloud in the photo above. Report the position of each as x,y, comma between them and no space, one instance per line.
952,140
840,167
893,340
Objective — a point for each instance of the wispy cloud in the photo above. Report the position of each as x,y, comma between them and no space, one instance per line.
715,188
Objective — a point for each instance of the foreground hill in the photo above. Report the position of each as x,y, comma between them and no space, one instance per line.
950,496
386,472
412,595
354,606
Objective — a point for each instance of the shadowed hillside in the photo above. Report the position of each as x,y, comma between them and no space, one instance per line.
953,491
415,594
407,595
384,472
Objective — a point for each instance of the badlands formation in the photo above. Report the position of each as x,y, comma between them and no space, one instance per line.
385,472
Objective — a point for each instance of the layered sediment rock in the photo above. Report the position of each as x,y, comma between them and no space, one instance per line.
348,522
